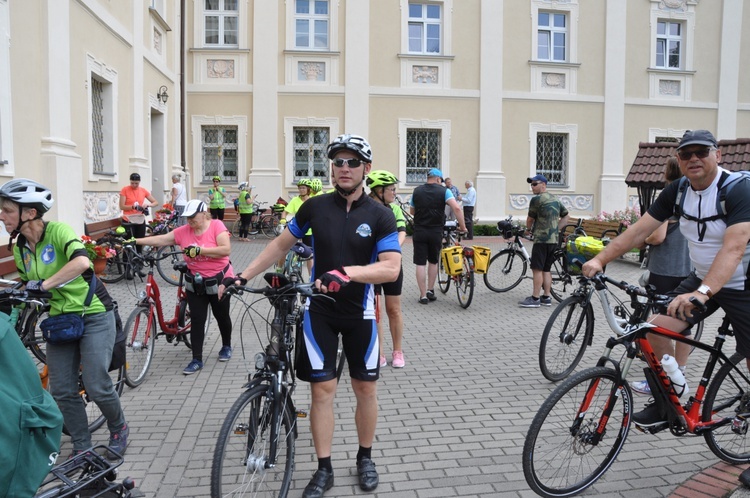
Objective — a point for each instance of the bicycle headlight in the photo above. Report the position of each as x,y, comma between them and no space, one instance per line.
142,295
260,361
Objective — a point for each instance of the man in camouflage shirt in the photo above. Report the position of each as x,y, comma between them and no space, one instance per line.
546,216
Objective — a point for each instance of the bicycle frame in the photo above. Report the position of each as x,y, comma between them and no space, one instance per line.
151,297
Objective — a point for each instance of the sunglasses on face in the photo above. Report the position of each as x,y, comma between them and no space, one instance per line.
686,155
352,163
534,184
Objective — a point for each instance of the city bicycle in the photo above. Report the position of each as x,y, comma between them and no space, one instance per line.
570,328
463,281
140,327
121,265
262,221
510,265
254,455
29,310
91,473
582,426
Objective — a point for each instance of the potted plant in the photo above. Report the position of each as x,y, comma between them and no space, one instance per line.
98,253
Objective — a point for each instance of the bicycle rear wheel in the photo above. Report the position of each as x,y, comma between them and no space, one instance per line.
165,267
561,454
506,270
94,415
183,321
236,227
32,335
140,345
444,280
562,281
242,459
465,285
728,397
268,225
568,332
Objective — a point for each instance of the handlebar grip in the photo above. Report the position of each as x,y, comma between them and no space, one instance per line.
696,302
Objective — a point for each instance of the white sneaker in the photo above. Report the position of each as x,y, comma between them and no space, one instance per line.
383,361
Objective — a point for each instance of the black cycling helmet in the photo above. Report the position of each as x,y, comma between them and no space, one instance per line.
354,143
135,177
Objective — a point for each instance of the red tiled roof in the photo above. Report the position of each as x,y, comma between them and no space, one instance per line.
648,168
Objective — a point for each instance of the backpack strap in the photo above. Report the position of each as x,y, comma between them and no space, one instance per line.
725,185
680,199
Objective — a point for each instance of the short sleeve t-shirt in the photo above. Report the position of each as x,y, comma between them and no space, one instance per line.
133,195
184,236
546,210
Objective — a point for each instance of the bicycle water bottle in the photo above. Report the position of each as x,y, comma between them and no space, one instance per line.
675,375
198,280
14,316
274,346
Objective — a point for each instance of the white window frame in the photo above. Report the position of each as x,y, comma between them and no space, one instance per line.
551,30
7,167
311,18
666,38
196,127
109,77
424,21
570,9
671,83
222,14
446,35
290,123
333,28
404,125
572,131
654,133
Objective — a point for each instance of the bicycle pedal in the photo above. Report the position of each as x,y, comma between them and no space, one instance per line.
301,414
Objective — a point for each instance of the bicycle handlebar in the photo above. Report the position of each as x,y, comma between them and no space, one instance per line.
649,292
151,256
17,295
306,289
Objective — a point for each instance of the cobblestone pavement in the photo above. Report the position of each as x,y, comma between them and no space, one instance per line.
452,423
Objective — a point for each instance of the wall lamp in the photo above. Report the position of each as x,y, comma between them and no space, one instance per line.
162,95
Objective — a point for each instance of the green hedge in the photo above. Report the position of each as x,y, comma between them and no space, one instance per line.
478,230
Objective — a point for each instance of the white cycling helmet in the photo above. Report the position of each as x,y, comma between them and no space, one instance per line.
354,143
243,186
28,193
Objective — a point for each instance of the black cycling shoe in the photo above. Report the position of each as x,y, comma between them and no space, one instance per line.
431,295
649,416
368,476
322,481
745,477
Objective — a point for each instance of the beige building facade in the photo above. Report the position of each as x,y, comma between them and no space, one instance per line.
491,91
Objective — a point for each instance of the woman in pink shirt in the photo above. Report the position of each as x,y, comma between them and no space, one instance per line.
206,245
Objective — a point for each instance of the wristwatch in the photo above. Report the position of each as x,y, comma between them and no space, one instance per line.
705,290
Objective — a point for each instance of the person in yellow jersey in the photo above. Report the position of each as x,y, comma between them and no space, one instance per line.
217,195
305,189
245,210
317,186
382,186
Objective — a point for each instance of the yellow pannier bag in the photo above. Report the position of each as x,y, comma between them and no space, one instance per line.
453,260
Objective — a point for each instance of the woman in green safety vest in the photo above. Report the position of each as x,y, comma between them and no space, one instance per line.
245,208
217,195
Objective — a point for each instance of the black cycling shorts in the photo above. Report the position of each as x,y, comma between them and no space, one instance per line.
391,288
427,245
321,333
543,256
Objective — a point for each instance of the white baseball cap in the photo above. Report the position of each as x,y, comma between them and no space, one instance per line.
194,207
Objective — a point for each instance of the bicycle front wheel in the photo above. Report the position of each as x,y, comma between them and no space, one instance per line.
465,285
728,397
165,266
116,268
571,441
444,280
236,227
268,225
506,270
568,332
140,345
243,464
562,281
32,335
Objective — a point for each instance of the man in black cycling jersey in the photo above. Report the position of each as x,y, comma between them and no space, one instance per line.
355,243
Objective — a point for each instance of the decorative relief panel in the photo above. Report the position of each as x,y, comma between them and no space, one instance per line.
100,206
578,203
220,68
157,41
553,80
311,71
680,5
425,74
670,87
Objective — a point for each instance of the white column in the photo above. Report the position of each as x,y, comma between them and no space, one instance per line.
62,168
490,182
139,161
357,71
729,69
612,188
265,174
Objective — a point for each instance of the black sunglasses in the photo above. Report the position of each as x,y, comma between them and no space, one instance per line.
534,184
352,163
685,155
